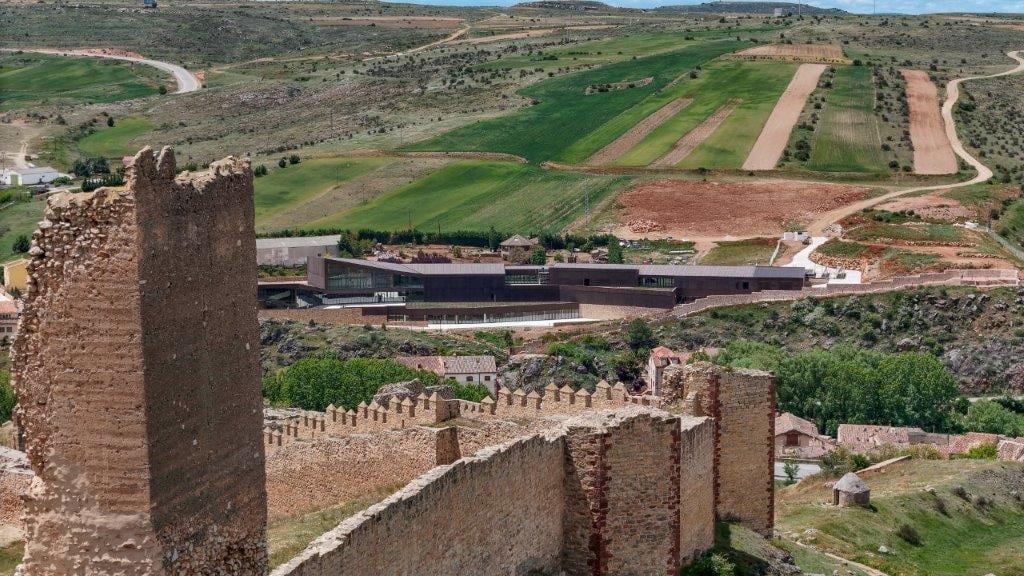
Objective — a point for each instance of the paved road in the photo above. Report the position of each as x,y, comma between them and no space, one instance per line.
187,81
817,228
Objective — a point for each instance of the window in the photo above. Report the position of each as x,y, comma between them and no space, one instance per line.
487,378
469,378
792,439
746,285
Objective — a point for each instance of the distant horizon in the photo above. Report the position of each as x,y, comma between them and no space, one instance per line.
853,6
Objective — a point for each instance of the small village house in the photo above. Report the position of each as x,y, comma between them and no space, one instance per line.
799,438
517,247
463,369
16,275
10,312
659,359
28,176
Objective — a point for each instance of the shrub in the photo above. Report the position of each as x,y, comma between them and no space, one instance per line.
294,159
639,335
470,392
21,244
282,163
987,451
909,534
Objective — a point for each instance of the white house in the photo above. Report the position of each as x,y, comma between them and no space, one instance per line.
28,176
661,358
463,369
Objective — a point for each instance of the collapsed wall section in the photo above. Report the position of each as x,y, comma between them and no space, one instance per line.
137,375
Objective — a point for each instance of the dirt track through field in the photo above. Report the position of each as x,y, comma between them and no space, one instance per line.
775,135
819,225
933,153
638,132
689,142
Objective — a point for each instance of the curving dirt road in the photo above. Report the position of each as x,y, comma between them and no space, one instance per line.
817,228
187,81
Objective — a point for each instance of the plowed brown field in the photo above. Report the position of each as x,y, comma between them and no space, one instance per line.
689,142
933,153
746,209
775,135
812,52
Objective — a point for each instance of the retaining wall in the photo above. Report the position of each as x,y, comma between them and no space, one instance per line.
982,278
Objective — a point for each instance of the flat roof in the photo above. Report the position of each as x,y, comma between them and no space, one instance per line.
28,171
454,269
297,241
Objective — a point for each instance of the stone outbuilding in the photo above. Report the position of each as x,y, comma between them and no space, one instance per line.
851,491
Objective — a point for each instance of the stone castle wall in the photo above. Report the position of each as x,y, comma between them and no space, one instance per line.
598,496
137,375
497,512
742,405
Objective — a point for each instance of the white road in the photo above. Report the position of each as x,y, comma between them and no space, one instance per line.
803,259
187,81
984,172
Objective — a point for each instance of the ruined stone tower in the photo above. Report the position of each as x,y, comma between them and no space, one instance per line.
137,374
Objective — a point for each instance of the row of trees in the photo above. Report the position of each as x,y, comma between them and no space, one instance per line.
852,385
317,382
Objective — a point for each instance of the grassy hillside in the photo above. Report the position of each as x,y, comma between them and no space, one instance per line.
847,138
564,114
757,85
286,188
16,219
968,517
977,335
475,195
116,142
38,79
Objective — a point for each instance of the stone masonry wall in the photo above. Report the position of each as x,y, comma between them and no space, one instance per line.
742,404
599,496
497,512
307,476
137,373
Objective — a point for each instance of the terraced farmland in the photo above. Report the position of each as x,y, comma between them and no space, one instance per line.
847,138
476,195
568,126
754,87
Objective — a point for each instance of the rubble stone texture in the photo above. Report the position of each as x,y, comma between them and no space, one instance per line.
137,374
742,404
599,496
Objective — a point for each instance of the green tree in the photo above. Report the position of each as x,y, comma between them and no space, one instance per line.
162,89
993,418
493,239
790,469
294,159
469,392
7,398
282,163
639,335
21,244
614,251
349,246
539,257
260,170
314,383
110,121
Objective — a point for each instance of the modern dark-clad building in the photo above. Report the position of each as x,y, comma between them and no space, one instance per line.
346,280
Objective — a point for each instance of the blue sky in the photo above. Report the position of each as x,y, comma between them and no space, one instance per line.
860,6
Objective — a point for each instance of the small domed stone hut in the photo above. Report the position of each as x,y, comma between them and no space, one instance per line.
851,491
